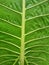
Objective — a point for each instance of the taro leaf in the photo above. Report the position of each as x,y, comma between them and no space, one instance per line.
24,32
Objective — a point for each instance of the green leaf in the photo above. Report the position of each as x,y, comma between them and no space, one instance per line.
24,32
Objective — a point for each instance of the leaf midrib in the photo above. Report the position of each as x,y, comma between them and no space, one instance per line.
22,50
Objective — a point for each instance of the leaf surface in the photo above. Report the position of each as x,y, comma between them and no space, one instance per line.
24,32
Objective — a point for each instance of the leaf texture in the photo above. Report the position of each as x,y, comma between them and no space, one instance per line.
24,32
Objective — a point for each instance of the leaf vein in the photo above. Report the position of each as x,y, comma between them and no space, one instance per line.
9,50
37,39
10,43
44,27
10,8
10,23
38,16
37,4
10,34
